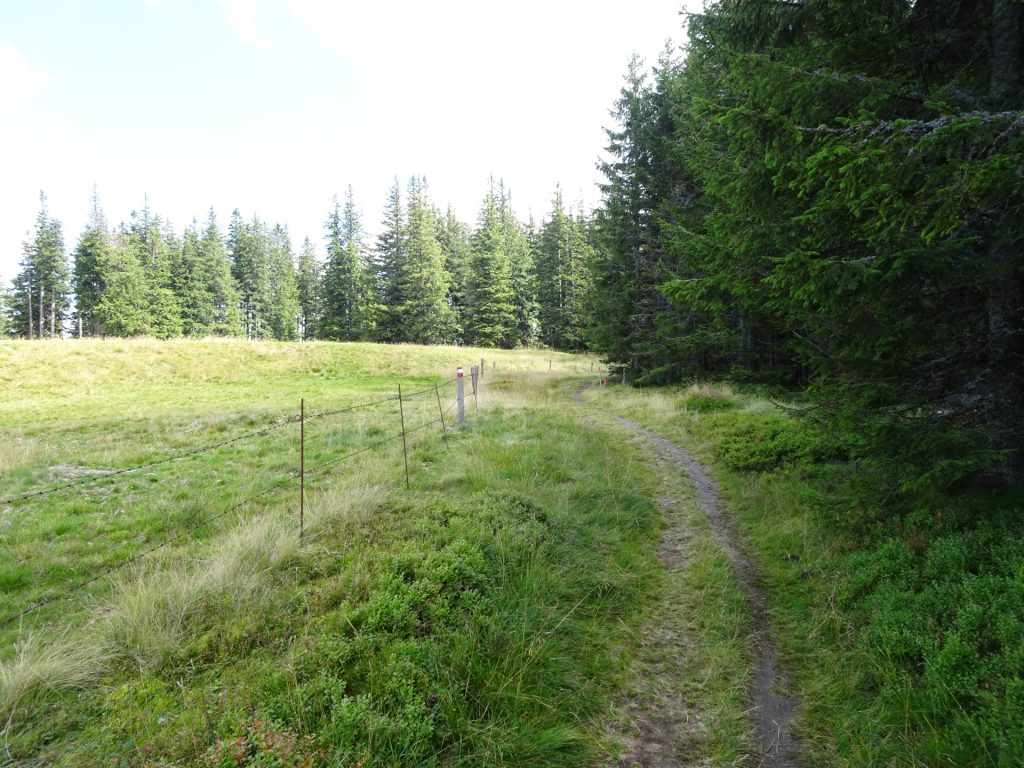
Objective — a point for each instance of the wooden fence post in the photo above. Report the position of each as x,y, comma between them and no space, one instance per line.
475,373
405,445
302,467
440,410
460,406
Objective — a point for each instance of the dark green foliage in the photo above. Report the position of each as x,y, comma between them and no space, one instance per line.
421,282
943,603
193,296
491,320
263,266
761,446
829,196
563,257
308,280
454,237
123,309
154,245
349,294
522,276
224,317
89,253
6,301
41,290
247,246
388,261
283,305
427,281
647,190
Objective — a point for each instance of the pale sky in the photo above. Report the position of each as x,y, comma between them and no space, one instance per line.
275,106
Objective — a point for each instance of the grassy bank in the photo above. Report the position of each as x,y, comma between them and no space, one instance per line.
477,619
905,631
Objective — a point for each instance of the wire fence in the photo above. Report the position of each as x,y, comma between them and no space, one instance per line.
106,478
81,485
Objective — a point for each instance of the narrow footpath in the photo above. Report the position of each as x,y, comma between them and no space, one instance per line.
657,724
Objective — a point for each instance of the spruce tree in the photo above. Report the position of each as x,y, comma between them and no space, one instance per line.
89,253
367,304
190,286
423,314
308,279
522,277
123,309
215,268
492,316
23,299
389,259
41,288
248,248
454,238
155,247
5,308
282,312
349,298
563,260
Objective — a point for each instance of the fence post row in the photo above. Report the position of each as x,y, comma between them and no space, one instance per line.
483,367
47,600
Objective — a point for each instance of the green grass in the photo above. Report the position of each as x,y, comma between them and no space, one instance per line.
480,618
906,637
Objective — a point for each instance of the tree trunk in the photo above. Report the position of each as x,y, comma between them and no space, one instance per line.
29,294
53,314
1003,302
1005,388
1006,26
42,319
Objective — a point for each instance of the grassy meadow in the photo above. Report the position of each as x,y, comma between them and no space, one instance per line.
479,618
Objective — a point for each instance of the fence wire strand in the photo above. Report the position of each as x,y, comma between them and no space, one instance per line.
349,408
334,461
55,597
154,463
32,607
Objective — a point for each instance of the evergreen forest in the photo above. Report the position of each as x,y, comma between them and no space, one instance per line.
826,197
428,278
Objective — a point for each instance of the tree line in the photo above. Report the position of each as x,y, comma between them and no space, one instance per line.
428,278
829,196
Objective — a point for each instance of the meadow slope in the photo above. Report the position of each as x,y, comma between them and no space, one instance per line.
480,617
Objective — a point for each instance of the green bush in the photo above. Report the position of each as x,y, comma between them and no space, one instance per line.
764,444
944,609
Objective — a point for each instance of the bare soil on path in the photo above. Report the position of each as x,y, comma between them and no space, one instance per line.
657,722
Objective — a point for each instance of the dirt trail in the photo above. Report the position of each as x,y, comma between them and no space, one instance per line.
659,739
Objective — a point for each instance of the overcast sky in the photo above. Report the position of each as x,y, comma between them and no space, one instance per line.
274,106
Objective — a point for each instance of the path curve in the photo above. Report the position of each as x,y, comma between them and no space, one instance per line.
772,708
